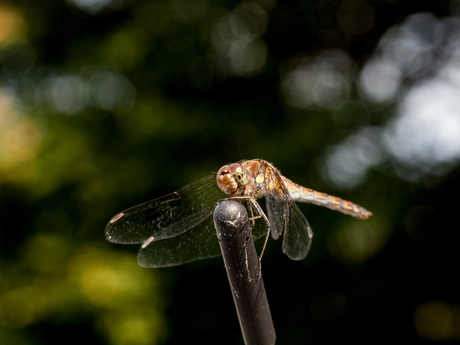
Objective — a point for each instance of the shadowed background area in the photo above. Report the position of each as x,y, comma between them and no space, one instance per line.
105,104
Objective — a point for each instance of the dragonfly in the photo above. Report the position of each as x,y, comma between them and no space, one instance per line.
178,228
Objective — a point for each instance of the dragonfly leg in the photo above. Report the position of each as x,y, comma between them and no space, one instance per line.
253,217
241,197
261,214
251,210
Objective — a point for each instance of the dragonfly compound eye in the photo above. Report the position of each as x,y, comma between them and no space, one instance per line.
226,182
223,170
240,176
231,178
235,168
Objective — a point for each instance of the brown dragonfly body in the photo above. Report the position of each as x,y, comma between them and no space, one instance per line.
264,178
303,194
257,178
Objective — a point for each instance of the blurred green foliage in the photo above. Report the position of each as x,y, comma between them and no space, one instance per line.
107,104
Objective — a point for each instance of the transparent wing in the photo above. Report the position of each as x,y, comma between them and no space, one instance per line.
277,200
277,213
298,234
198,243
174,229
284,214
167,216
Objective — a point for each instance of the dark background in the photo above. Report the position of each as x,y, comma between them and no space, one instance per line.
107,104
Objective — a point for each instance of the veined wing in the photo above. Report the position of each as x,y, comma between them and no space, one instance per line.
198,243
277,213
174,229
283,213
167,216
277,202
298,235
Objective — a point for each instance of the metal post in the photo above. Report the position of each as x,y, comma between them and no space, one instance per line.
243,271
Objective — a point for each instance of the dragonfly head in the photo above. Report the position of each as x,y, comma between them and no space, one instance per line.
232,179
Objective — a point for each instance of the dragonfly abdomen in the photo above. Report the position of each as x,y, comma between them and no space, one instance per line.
303,194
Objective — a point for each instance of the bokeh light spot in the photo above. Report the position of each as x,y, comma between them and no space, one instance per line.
99,284
20,307
93,270
437,321
237,47
20,140
113,91
345,165
322,81
11,24
45,253
425,135
358,241
138,325
96,6
380,80
66,93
